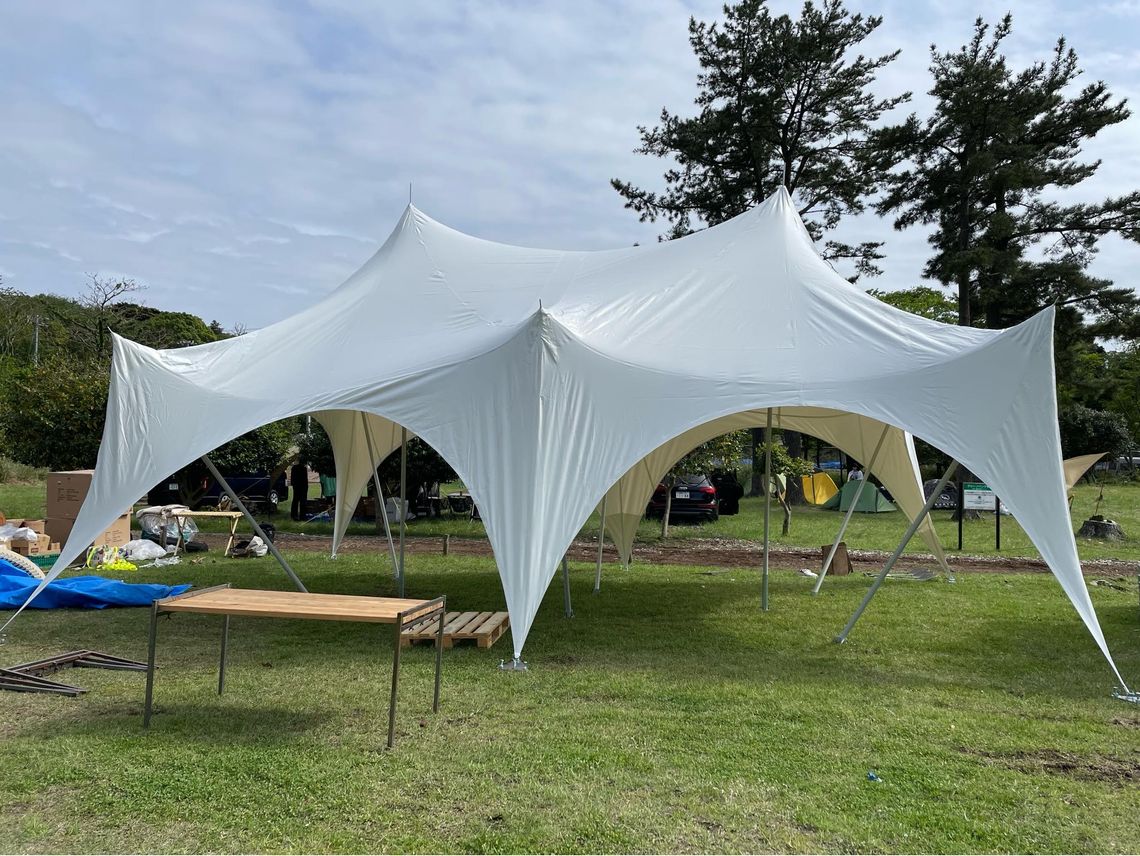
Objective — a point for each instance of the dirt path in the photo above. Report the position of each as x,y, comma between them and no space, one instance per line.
706,552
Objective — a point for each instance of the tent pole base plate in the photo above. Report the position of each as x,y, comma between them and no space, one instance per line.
1125,694
513,665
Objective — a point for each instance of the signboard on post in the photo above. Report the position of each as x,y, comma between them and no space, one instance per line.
978,497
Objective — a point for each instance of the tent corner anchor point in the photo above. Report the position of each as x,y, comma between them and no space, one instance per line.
1125,694
515,665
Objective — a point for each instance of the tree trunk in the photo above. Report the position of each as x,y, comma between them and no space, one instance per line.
794,492
668,508
757,449
787,525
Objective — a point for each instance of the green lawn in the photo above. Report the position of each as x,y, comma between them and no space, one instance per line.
668,715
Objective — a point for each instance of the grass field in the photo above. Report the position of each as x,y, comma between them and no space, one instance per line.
668,715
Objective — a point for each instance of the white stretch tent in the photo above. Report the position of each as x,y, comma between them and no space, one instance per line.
543,376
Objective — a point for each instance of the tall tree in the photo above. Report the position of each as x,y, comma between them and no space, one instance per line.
983,168
781,101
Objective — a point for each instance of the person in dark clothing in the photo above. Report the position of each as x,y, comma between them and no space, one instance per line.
299,479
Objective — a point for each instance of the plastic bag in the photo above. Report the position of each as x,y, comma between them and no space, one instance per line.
11,532
152,518
141,550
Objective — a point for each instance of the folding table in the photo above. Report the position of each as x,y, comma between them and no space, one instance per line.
225,601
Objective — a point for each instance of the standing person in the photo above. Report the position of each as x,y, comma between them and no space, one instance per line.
299,479
856,473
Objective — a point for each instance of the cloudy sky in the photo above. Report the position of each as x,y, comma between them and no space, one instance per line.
242,158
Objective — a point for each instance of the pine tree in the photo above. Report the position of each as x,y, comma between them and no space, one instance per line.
982,170
781,102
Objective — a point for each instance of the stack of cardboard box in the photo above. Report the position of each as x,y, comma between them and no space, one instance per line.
65,494
42,546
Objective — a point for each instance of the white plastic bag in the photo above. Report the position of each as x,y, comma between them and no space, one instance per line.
141,550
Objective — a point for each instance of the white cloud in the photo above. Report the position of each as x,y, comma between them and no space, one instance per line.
242,159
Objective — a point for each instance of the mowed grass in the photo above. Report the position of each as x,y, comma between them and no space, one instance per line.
669,714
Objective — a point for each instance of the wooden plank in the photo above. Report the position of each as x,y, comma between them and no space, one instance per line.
460,620
468,629
495,619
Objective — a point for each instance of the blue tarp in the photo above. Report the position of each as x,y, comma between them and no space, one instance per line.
80,592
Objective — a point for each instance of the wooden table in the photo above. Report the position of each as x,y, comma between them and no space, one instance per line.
225,601
179,516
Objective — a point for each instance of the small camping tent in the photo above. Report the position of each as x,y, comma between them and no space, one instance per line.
819,488
870,499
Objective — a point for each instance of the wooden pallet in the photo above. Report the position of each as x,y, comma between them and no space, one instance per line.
482,628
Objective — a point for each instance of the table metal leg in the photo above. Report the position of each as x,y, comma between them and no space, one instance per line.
439,656
395,683
150,664
222,659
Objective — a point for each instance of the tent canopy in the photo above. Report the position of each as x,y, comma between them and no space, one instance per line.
543,376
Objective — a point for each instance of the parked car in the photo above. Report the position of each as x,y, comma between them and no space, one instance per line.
694,497
728,491
254,489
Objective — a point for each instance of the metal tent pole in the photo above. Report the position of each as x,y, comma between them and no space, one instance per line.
566,588
381,511
914,524
851,509
601,544
403,510
256,527
767,506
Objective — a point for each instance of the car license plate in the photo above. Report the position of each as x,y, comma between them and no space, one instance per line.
681,494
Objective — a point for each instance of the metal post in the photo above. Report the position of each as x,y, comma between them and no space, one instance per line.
439,654
256,526
997,523
961,510
403,504
381,511
851,510
566,588
222,659
914,524
601,544
767,507
395,682
150,663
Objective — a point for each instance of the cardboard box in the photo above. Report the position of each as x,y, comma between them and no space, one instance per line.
66,492
116,535
32,548
35,525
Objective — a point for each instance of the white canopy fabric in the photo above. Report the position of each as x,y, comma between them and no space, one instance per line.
855,435
543,376
351,433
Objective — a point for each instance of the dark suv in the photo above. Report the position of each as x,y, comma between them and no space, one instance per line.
694,497
254,489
